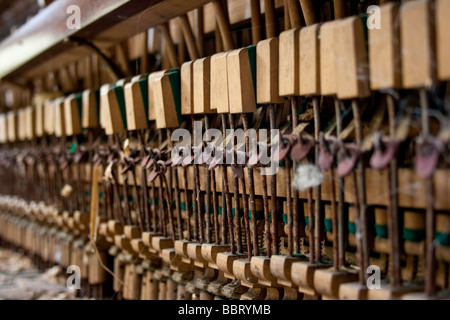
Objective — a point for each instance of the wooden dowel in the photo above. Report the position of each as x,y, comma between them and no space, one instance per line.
200,26
294,13
224,25
271,25
189,37
287,18
339,9
169,45
256,21
309,11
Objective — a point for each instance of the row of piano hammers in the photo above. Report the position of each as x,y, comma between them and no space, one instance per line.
89,180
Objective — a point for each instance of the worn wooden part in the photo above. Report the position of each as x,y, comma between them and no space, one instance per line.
22,125
166,113
194,252
89,107
132,232
136,117
303,276
97,275
219,83
442,39
60,122
147,238
241,93
328,83
281,267
123,243
151,90
132,282
327,281
202,86
119,272
180,247
352,69
3,129
137,245
81,218
309,61
242,272
384,50
49,117
309,11
175,261
260,268
210,251
267,52
72,116
113,122
30,122
39,116
386,292
353,291
225,262
161,243
289,63
187,88
418,47
115,228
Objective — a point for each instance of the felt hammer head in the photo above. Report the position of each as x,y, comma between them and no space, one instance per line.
417,41
384,50
328,85
241,92
30,123
49,112
309,61
3,129
267,52
289,63
202,86
219,83
12,126
60,122
443,39
22,125
72,116
90,113
352,69
39,117
166,101
134,104
187,87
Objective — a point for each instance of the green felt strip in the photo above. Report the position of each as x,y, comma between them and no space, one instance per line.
73,147
442,238
328,225
413,235
120,96
352,227
79,98
151,201
175,83
252,58
97,101
143,84
381,231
